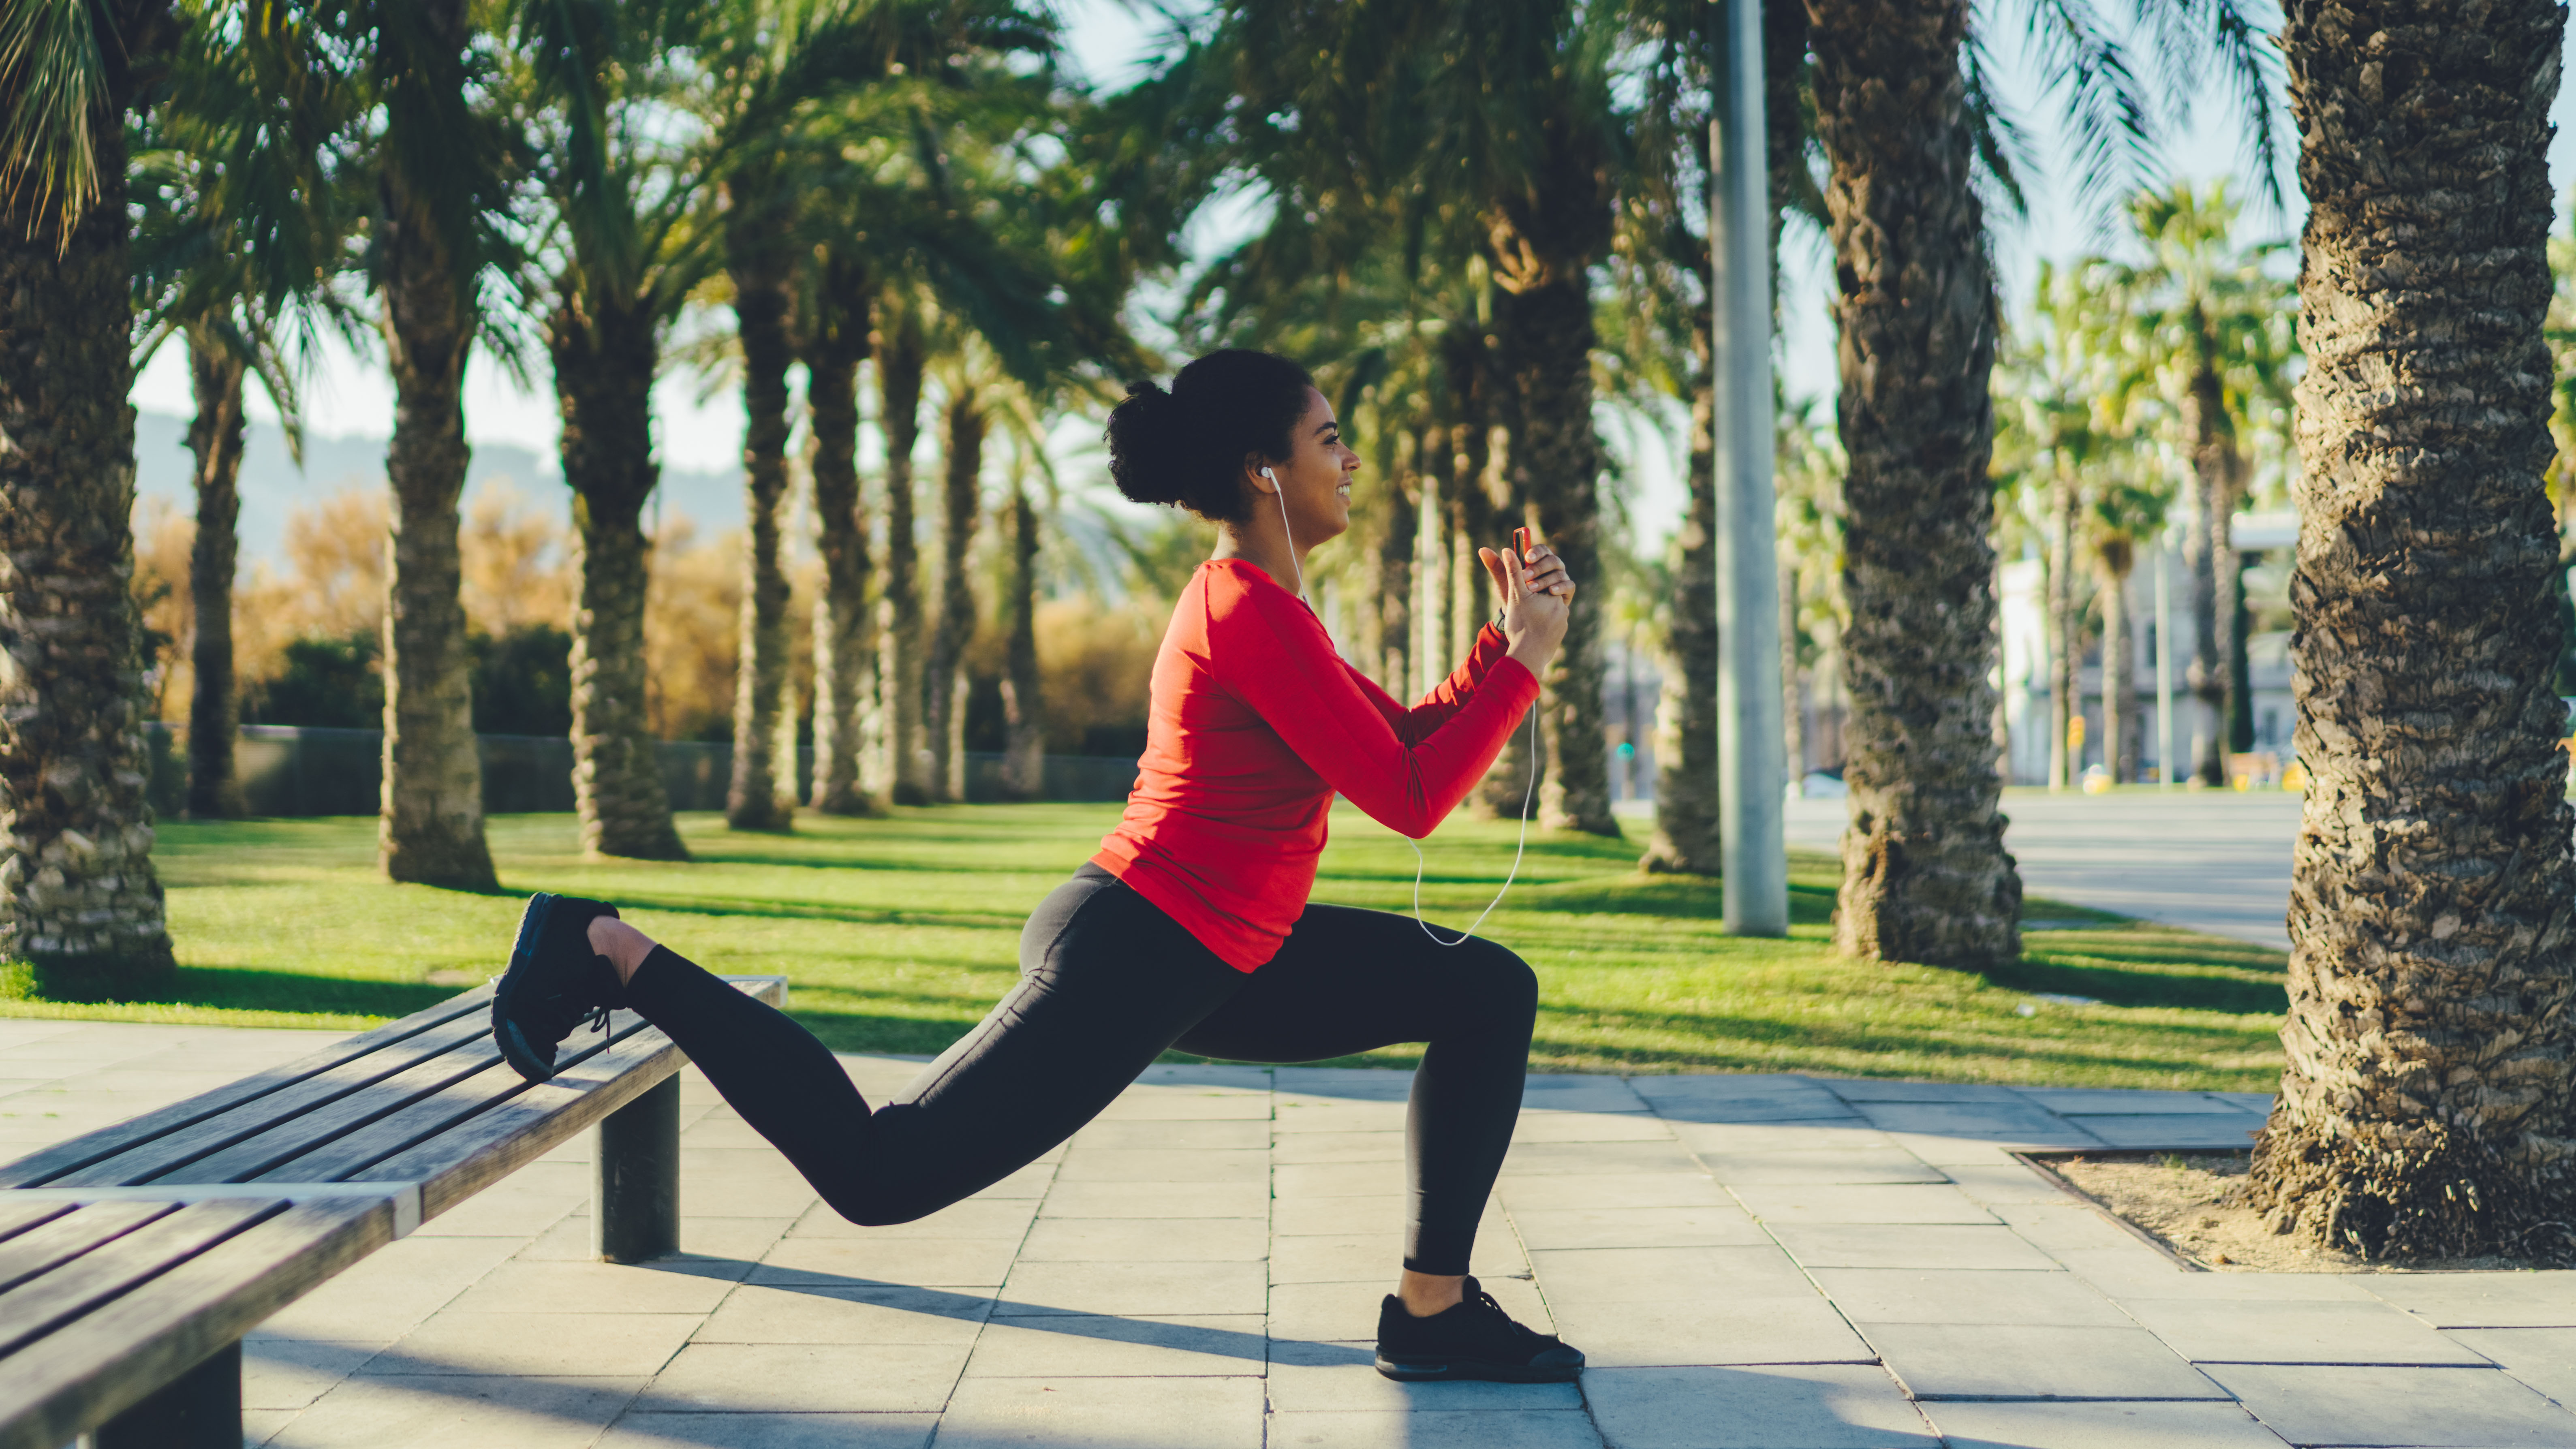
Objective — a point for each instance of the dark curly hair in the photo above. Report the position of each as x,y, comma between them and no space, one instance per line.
1186,446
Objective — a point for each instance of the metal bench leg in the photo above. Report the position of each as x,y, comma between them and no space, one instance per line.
201,1409
635,1196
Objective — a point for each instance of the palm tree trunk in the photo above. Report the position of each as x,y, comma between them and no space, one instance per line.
1793,703
943,673
1430,586
79,901
2119,670
1546,334
1023,701
1925,874
1686,781
844,627
752,796
900,363
2205,552
2427,1106
604,361
1391,561
2065,660
216,375
432,826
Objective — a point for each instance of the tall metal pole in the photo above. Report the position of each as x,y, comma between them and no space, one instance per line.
1751,770
2164,674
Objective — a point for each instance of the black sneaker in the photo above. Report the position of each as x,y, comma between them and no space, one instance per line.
555,981
1475,1339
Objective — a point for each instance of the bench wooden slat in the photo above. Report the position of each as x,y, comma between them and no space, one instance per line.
18,1217
249,1158
33,1254
355,1156
113,1357
494,1143
163,1156
75,1153
43,1303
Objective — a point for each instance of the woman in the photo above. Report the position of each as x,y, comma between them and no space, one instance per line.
1190,928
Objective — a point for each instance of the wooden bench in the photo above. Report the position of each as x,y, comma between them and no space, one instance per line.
134,1258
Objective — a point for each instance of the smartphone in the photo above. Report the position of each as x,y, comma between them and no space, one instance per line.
1521,545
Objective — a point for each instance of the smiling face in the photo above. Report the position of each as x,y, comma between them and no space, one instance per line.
1314,479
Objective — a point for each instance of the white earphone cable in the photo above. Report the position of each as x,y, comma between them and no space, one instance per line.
1528,793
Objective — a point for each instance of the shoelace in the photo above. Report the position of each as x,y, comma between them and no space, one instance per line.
1488,1306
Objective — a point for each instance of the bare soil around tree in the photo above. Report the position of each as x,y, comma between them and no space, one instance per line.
2192,1203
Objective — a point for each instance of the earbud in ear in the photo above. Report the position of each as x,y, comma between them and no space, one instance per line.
1266,473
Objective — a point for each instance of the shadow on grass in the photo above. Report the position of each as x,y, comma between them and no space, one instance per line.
246,989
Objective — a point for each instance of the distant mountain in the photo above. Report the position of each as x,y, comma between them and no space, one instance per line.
272,486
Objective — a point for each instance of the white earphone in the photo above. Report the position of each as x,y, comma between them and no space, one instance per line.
1527,794
1281,494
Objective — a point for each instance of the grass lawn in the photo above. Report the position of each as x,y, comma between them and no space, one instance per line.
897,934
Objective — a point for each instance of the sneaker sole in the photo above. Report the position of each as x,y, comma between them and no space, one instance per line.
506,1035
1417,1371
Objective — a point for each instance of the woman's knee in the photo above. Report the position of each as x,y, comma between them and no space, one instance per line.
1506,985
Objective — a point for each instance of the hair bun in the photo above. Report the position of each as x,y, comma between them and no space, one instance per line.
1145,444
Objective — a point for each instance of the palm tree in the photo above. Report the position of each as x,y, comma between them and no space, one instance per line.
439,189
2427,1106
238,226
82,903
2209,332
760,260
903,357
836,308
943,688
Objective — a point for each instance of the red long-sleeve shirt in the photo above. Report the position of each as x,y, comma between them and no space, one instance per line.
1256,723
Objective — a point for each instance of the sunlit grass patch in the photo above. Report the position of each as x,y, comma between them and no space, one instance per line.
897,933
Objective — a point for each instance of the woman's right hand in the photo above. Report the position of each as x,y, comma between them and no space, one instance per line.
1537,597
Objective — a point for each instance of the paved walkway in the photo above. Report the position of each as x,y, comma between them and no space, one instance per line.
2212,861
1752,1262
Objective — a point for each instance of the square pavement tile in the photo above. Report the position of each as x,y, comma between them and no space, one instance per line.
1188,1106
1085,1346
2002,1182
1999,1361
2544,1358
1318,1217
1208,1413
1807,1406
594,1287
1832,1135
1146,1288
948,1262
771,1431
1656,1275
1385,1084
1827,1166
1635,1126
2436,1408
1630,1227
1170,1240
1689,1187
1821,1203
1359,1257
1338,1179
2214,1130
1873,1092
392,1292
288,1373
828,1314
1541,1159
2016,1122
2122,1102
1167,1200
807,1378
460,1413
1799,1328
1320,1147
1297,1120
2482,1300
2307,1332
1578,1092
1327,1376
550,1345
1230,1134
1161,1165
1030,1181
1908,1295
2099,1426
1385,1429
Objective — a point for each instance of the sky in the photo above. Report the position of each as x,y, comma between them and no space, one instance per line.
349,396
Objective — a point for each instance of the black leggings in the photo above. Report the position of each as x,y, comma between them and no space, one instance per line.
1107,983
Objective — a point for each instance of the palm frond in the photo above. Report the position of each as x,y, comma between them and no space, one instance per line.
54,71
